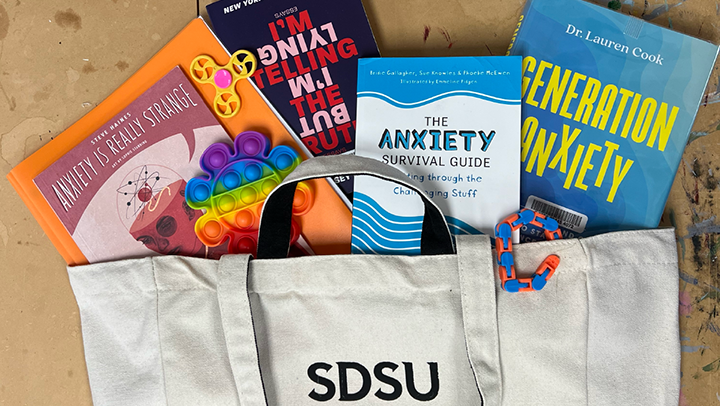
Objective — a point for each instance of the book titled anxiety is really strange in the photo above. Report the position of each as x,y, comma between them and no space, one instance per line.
127,180
608,103
451,124
308,53
170,143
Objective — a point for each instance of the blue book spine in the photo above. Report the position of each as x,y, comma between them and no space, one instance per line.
608,103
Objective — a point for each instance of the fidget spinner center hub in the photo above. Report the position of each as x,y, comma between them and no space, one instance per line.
223,78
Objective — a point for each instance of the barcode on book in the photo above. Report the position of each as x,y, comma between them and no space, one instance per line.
565,217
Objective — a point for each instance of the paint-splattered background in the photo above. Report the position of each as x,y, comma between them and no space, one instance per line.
58,59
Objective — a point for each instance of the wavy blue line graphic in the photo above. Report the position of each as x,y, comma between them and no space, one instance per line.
357,250
359,246
387,237
458,226
435,98
455,230
400,229
392,218
383,241
364,209
375,230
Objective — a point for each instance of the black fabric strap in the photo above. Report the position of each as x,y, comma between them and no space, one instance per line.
275,232
275,228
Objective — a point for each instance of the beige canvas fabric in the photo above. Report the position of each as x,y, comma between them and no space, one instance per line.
369,330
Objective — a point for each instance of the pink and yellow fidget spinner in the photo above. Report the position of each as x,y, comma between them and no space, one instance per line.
238,183
205,70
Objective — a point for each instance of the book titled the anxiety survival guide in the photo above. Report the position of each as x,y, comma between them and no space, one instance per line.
608,103
451,124
308,54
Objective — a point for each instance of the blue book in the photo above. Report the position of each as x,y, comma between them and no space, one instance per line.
608,102
453,125
308,53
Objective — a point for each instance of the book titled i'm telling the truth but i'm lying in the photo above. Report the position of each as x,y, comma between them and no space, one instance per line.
307,53
453,125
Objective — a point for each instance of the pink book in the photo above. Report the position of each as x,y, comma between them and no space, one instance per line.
120,193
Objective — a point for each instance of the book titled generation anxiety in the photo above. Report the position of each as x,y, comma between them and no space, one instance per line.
608,103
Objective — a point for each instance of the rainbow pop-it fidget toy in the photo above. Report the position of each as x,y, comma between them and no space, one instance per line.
236,189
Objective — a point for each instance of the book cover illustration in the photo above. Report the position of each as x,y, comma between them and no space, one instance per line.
608,103
120,193
452,124
308,53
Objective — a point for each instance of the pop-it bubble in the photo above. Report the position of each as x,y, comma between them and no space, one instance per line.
238,183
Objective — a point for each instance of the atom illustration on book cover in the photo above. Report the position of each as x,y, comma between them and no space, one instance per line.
151,205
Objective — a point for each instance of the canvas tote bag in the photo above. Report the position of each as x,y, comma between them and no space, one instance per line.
372,330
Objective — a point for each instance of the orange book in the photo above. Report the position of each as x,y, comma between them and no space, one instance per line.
326,227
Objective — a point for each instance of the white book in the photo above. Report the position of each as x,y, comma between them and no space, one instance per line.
452,124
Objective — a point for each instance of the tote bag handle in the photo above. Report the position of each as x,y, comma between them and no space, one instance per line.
274,233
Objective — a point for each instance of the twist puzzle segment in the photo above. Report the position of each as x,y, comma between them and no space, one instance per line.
236,187
503,246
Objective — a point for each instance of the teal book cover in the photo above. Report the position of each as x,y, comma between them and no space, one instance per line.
451,124
608,103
